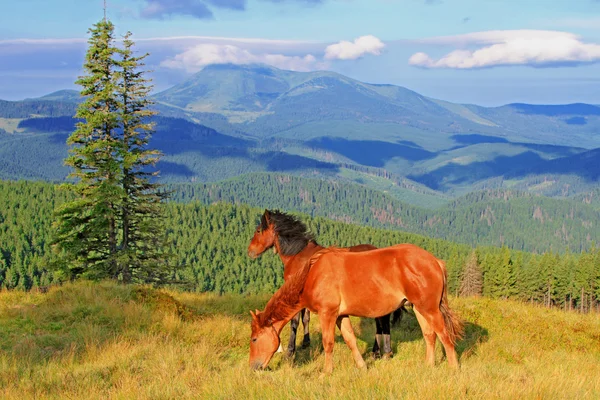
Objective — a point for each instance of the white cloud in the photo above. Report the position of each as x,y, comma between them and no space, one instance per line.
501,48
345,50
197,57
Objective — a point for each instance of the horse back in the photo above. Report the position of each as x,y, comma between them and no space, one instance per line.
396,273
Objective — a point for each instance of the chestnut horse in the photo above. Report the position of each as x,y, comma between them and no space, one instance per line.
291,240
337,283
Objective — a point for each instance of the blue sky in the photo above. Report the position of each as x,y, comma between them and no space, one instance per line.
487,52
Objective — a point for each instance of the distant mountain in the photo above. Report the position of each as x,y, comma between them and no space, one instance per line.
227,120
265,101
586,165
66,95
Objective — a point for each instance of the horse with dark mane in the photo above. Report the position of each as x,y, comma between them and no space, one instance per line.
295,245
337,283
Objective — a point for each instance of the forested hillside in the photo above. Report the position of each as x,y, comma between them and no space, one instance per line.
209,251
26,108
493,217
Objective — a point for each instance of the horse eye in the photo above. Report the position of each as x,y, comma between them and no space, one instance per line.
253,339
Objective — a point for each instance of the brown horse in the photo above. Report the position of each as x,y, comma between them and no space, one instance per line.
291,240
337,283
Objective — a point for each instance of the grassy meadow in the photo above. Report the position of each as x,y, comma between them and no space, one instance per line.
99,341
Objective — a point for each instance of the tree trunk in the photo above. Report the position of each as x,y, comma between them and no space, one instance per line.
112,245
126,271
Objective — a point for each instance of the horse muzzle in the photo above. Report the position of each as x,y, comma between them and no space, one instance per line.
252,254
256,365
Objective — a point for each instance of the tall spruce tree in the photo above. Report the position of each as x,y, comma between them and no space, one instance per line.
87,226
113,228
142,257
472,279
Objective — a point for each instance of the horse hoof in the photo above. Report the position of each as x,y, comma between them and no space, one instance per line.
305,344
289,354
376,355
387,356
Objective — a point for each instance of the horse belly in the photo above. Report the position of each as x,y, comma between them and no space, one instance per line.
370,301
372,289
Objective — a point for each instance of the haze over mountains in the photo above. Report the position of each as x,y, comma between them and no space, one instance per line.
227,120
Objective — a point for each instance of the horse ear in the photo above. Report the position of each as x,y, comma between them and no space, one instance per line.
254,318
267,215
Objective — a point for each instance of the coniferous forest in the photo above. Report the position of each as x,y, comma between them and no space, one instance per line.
112,219
208,252
518,220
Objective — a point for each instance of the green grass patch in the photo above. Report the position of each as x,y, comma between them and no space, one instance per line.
99,341
10,125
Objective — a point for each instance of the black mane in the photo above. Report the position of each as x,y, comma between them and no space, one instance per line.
293,234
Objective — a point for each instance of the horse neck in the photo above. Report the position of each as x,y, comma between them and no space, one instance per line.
282,317
279,325
288,300
291,264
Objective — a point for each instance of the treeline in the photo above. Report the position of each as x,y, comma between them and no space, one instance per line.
50,124
26,108
209,246
493,217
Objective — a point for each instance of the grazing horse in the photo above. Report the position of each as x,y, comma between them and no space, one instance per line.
291,240
337,283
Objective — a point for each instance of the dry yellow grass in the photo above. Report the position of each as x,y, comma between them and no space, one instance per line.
99,341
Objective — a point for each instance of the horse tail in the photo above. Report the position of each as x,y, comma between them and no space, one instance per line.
454,325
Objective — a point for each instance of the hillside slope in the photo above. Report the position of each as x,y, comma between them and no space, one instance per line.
491,217
111,341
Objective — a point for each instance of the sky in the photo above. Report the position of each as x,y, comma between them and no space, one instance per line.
486,52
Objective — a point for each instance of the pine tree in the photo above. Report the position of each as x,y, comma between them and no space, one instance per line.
113,228
472,279
564,285
142,256
2,269
507,280
87,226
455,271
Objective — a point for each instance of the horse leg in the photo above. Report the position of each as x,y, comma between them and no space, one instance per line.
377,343
436,320
327,321
305,322
387,339
429,335
292,343
343,322
397,318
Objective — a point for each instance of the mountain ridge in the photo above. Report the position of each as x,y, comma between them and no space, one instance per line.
261,118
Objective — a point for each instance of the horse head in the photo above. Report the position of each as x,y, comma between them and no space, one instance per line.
264,236
264,342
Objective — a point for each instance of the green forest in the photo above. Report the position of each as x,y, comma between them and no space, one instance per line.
497,217
208,245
